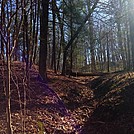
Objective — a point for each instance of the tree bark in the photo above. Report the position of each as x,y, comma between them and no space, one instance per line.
8,86
131,23
43,39
92,47
108,56
2,28
53,63
36,36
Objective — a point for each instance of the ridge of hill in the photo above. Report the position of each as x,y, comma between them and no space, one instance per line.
47,105
114,112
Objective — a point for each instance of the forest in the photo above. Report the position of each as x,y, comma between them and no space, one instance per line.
66,66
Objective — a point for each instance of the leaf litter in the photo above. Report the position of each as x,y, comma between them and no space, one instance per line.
76,105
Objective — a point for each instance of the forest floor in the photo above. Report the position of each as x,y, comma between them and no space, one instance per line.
76,105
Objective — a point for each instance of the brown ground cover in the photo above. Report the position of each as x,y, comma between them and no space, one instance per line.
76,105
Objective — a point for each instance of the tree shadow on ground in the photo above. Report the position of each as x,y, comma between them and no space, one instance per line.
114,112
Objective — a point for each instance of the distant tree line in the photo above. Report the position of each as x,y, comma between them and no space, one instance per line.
79,35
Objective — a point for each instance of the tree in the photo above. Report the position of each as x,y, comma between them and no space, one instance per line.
43,39
131,24
53,63
75,35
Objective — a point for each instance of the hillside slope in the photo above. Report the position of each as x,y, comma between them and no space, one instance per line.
114,112
55,107
77,105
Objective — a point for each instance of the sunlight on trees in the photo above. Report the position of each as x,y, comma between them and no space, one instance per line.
67,36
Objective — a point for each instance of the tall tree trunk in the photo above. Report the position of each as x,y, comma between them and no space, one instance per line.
128,53
92,47
62,40
71,29
2,28
119,34
59,51
128,59
108,56
91,39
43,39
131,23
33,32
15,36
64,62
53,63
36,36
8,85
24,40
8,95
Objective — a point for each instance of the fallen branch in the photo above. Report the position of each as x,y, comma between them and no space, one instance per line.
77,74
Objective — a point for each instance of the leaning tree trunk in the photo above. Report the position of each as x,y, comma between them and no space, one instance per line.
75,35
